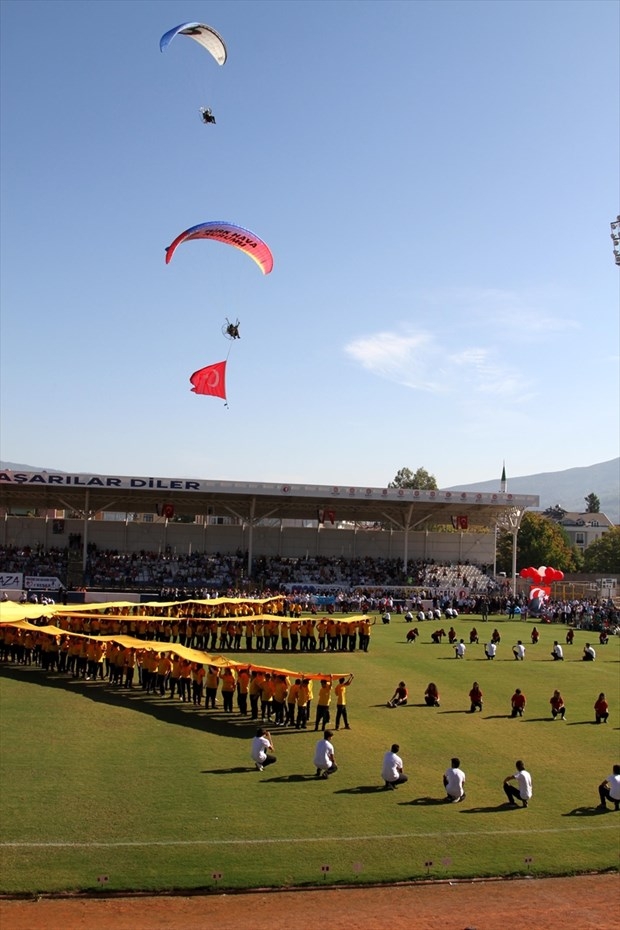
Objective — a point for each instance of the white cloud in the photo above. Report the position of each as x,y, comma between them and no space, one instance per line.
418,360
399,357
525,315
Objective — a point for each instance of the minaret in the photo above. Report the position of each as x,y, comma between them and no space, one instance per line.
502,487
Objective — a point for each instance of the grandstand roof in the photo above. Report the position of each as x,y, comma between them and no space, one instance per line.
397,507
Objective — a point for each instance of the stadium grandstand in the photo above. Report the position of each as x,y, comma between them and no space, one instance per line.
186,521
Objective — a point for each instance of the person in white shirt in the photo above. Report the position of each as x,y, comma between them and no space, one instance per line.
262,749
324,758
459,650
609,790
453,780
589,654
490,650
392,768
523,788
518,651
557,652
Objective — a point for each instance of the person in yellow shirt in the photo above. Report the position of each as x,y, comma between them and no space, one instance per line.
304,628
266,697
185,681
164,665
173,678
198,676
322,705
243,685
150,666
112,661
229,685
91,659
211,684
62,656
341,702
291,702
303,697
274,634
279,699
310,696
129,666
254,690
82,659
364,634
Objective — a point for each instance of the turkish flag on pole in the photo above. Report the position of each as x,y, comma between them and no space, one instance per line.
210,380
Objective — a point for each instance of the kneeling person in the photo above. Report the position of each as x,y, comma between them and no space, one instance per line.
324,758
262,749
392,769
453,781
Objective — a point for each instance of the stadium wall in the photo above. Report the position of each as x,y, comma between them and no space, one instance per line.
269,541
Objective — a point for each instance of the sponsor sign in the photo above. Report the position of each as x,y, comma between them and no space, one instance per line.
42,583
11,580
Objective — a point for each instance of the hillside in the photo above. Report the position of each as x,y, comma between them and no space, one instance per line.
566,488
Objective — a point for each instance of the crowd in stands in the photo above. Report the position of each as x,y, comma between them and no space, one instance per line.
114,570
329,584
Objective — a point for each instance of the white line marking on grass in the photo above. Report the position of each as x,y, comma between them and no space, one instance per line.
292,839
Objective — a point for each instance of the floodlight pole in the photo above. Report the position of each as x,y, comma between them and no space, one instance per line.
510,519
615,238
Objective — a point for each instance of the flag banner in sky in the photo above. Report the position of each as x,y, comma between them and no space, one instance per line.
210,380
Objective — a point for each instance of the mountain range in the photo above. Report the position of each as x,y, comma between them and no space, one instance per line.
567,488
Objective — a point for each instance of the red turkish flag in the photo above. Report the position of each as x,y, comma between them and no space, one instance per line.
210,380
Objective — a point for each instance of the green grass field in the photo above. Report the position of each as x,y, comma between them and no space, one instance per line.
116,790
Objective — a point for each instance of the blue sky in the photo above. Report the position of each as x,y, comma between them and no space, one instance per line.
436,181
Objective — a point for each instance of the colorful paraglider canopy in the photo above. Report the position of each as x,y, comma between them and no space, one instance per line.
204,35
210,380
230,234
